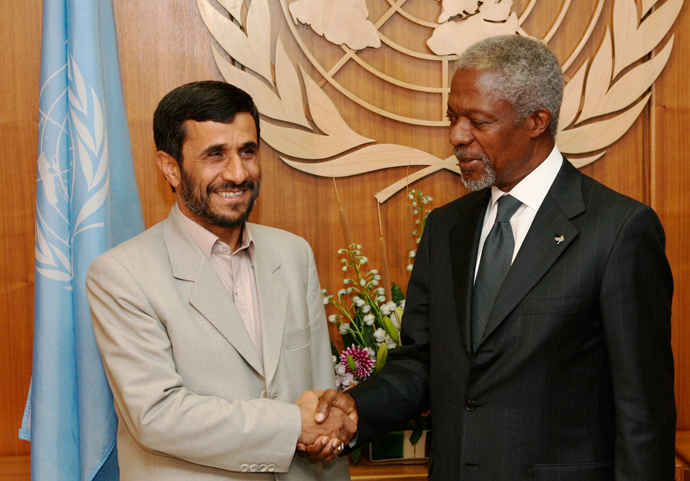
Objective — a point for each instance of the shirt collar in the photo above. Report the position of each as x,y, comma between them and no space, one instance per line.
208,242
532,190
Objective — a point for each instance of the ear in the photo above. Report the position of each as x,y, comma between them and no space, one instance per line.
169,167
538,122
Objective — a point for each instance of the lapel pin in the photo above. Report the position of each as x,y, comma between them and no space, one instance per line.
559,239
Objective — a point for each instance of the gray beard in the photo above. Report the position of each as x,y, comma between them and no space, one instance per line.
487,179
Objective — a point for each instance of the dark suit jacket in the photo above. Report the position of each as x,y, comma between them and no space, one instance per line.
574,377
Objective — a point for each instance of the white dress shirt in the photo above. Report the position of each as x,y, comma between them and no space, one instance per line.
531,191
235,269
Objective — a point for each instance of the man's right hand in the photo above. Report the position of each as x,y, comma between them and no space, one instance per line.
325,448
338,425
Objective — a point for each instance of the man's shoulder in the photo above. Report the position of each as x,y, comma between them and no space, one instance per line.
594,192
146,245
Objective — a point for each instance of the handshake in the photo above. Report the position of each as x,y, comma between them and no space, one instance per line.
329,421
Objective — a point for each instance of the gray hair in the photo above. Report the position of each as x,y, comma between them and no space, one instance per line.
531,76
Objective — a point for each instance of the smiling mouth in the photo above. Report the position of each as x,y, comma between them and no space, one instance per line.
229,195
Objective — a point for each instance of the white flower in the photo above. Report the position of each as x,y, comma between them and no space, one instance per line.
381,299
425,200
374,283
340,369
344,328
366,308
347,281
344,380
369,319
323,292
344,268
342,251
409,268
411,196
332,318
377,277
362,283
412,254
325,300
349,290
380,335
394,320
342,292
417,222
334,359
385,310
415,212
359,302
344,261
390,343
391,305
414,203
381,290
363,260
374,271
371,352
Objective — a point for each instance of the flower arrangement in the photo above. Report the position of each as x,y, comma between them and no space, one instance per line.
368,314
369,325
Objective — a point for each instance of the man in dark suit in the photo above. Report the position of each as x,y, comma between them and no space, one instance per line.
557,366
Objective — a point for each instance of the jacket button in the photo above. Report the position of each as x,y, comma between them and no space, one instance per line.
244,468
253,468
470,405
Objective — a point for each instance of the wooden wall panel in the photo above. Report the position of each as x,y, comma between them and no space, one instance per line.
670,195
20,38
165,44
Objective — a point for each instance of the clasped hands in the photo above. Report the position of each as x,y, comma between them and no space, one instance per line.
329,421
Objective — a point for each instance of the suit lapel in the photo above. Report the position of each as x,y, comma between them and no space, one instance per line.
273,299
543,245
208,295
464,238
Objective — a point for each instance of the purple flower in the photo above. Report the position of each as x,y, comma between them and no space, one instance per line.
357,357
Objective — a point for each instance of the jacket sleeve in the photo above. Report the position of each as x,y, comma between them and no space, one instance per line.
635,300
163,416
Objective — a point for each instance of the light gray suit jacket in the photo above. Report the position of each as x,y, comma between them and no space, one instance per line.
192,397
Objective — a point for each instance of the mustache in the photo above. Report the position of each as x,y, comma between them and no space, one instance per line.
461,151
248,184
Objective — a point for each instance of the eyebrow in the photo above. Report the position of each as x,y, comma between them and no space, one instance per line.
211,148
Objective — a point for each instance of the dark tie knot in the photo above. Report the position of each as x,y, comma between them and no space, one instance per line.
507,205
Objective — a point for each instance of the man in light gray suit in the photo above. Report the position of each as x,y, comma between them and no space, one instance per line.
537,323
212,330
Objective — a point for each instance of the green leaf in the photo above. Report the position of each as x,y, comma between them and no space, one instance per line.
397,294
381,356
417,430
354,455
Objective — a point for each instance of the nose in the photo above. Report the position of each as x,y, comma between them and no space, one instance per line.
460,133
234,170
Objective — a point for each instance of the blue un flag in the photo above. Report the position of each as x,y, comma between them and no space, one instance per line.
86,202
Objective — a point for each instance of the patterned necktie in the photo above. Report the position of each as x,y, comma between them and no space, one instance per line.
496,258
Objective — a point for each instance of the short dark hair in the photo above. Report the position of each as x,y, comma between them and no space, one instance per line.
206,100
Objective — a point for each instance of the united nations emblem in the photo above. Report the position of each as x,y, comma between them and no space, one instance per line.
604,95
